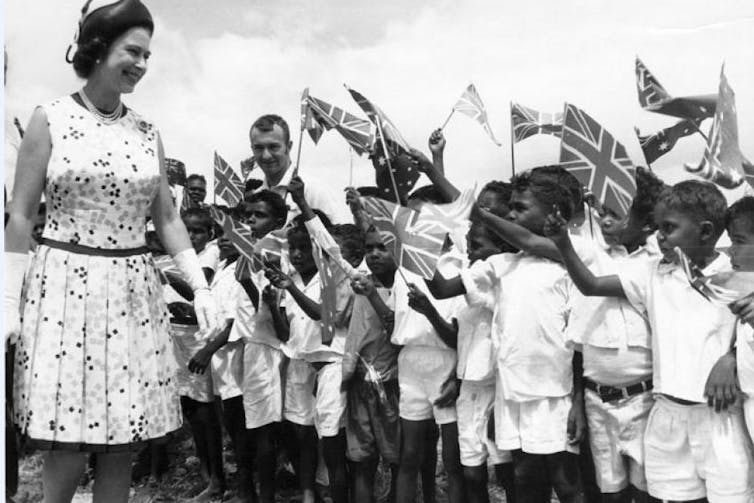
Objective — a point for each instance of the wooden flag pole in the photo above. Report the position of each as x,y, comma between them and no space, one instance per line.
698,130
452,111
350,169
298,154
387,158
513,142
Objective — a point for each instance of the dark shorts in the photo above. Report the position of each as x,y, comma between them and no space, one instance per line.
372,423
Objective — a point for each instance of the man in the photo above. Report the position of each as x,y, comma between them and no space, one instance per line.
271,146
196,187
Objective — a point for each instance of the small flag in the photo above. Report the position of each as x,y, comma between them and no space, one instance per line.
269,250
527,122
404,173
393,138
227,184
597,160
703,284
654,98
471,104
243,273
660,143
186,201
723,163
449,217
176,172
357,132
308,121
239,234
247,166
328,292
416,245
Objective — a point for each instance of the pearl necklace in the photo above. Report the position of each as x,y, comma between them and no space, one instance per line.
105,118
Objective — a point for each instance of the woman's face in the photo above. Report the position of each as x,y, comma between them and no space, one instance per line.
126,60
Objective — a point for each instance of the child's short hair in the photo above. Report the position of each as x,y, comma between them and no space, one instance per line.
196,176
547,189
275,202
743,209
648,190
427,194
201,214
567,180
350,236
699,200
501,189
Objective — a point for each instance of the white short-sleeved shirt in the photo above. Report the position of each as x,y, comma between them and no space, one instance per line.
227,362
317,196
305,334
209,258
689,333
476,360
411,327
224,288
254,324
745,357
529,297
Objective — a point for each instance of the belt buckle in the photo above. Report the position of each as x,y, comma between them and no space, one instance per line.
611,394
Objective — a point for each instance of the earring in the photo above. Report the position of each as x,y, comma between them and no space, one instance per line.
97,61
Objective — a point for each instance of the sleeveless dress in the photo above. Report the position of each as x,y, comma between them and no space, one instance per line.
94,368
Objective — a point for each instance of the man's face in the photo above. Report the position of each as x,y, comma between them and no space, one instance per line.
741,232
197,190
270,150
527,211
378,257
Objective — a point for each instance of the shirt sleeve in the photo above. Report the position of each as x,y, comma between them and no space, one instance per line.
480,281
324,240
634,279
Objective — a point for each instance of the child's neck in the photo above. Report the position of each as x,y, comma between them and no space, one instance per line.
306,276
705,258
386,279
635,245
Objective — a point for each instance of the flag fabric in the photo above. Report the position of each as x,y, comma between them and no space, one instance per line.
243,274
239,234
393,138
247,166
269,250
597,160
176,172
660,143
654,98
415,244
186,201
403,170
703,284
723,163
227,184
356,131
328,293
527,122
308,122
471,104
450,217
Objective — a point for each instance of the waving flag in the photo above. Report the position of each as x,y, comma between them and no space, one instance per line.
654,98
247,166
449,217
404,173
308,122
357,132
186,201
527,122
176,172
704,284
723,163
415,244
238,233
597,160
395,141
269,249
227,184
329,296
660,143
471,104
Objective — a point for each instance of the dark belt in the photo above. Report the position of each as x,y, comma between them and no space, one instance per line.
90,250
612,393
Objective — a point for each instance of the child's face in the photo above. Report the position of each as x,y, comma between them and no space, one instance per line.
675,229
261,220
300,253
493,202
352,254
627,231
527,211
198,232
379,259
741,232
227,250
479,245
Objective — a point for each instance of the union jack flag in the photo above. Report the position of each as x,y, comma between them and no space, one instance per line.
269,250
415,244
449,217
649,89
328,292
723,163
704,284
176,172
239,234
527,122
597,160
660,143
357,132
393,138
227,184
471,104
308,122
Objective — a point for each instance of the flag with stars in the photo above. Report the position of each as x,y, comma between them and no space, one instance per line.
356,131
654,98
328,280
597,160
660,143
527,122
396,144
723,163
471,104
228,185
308,122
415,244
176,172
403,170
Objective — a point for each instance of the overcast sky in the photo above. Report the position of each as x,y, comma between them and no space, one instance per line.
219,64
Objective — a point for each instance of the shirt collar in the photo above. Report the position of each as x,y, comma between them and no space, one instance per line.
283,181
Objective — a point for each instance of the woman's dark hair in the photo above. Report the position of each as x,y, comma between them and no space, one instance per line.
87,54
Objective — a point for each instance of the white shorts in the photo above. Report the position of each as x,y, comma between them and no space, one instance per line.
262,385
330,402
227,370
473,407
616,437
421,372
299,401
536,427
693,452
187,341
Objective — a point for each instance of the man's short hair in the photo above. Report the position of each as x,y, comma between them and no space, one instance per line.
701,201
267,122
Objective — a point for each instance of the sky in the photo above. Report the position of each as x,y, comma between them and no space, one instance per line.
218,65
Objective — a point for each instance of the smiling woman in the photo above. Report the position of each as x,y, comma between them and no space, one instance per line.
93,371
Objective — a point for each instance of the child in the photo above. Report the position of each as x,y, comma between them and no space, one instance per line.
691,452
262,356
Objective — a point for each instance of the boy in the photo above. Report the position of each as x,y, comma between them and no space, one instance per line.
691,452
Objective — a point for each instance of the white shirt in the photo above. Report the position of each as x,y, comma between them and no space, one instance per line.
305,334
689,334
252,324
476,360
529,297
227,362
317,196
745,357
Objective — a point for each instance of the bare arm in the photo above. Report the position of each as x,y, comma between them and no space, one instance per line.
518,236
280,280
447,331
449,191
279,319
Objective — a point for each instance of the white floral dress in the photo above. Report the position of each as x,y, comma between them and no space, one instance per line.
94,369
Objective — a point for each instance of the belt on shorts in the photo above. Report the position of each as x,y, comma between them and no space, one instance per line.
612,393
90,250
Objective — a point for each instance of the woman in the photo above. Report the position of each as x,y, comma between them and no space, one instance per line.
93,369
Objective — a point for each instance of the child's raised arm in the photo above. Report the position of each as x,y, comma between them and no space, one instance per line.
449,191
518,236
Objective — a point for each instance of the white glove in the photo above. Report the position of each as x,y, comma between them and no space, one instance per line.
15,269
204,305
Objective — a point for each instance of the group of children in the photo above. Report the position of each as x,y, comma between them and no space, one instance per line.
551,328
